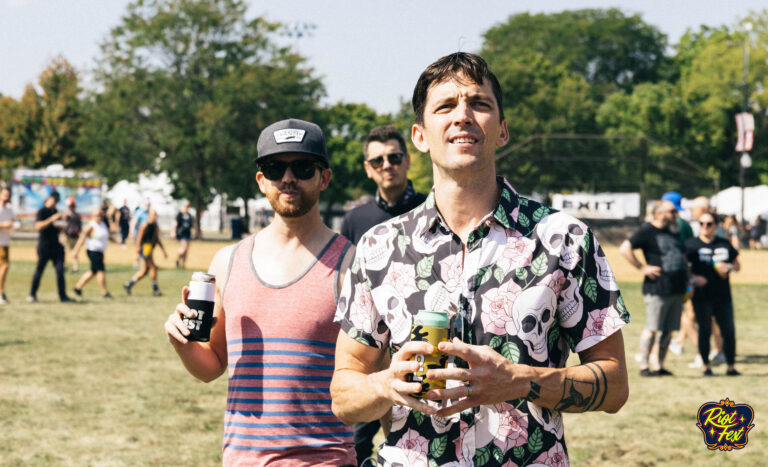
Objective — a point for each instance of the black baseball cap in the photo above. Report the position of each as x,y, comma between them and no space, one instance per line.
292,136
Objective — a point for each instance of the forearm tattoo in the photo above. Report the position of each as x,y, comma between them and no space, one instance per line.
584,395
533,394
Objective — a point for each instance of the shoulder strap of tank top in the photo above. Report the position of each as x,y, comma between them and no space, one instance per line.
337,268
229,266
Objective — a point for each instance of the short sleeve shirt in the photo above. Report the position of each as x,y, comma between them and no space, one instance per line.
183,224
702,257
662,248
49,236
532,283
6,214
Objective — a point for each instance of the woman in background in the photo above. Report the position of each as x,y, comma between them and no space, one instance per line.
95,237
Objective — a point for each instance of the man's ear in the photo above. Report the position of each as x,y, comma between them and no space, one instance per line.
260,180
503,135
325,178
419,138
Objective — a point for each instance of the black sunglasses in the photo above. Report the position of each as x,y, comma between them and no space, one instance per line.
303,169
707,224
394,159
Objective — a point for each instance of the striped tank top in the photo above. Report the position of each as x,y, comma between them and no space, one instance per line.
280,346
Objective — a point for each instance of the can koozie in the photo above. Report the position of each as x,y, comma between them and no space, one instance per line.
429,327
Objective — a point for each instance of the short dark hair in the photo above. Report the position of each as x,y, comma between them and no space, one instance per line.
449,67
382,134
55,195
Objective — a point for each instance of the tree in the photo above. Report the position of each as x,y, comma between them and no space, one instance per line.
42,128
345,126
60,117
605,47
186,87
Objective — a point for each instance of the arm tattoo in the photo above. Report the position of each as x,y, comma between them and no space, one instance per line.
584,395
533,394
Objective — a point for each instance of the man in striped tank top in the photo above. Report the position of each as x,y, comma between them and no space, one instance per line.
273,327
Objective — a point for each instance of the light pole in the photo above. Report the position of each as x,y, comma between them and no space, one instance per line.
744,161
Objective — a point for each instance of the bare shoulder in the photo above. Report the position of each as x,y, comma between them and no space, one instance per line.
220,262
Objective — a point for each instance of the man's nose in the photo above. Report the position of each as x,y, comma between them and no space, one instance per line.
288,175
463,114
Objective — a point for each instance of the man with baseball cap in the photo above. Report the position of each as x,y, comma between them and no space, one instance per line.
273,325
684,230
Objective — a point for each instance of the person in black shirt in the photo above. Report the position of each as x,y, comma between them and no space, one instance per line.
386,162
124,221
147,238
712,259
182,230
666,277
49,223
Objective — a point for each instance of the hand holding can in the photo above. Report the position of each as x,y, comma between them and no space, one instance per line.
429,327
202,291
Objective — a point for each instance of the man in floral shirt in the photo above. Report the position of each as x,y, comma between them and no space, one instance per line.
525,285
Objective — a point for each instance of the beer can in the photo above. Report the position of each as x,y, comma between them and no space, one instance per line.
432,327
202,291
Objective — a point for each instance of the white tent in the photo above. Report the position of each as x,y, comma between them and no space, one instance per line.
728,202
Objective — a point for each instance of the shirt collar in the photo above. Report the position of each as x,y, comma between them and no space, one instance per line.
407,195
505,212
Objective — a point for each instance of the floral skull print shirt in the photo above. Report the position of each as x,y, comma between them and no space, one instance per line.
532,283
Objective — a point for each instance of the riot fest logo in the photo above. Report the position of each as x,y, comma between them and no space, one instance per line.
725,424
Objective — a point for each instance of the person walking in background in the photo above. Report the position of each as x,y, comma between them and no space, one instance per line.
124,221
146,240
49,224
7,220
386,161
666,278
73,225
95,237
140,216
182,230
273,324
712,259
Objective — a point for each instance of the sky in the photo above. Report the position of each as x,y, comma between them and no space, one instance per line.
368,52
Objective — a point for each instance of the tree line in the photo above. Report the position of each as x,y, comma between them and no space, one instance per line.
595,100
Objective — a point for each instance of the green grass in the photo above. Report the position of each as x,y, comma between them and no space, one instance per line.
657,426
96,383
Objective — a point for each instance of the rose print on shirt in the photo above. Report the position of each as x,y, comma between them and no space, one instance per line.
517,253
513,427
555,457
415,448
361,310
496,315
402,277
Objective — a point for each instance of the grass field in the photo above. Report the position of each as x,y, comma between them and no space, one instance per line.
96,383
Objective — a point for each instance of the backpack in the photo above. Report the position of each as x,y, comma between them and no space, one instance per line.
73,225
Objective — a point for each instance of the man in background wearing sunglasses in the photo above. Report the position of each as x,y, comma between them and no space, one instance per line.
386,163
273,315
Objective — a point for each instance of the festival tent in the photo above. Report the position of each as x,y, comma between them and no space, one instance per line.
728,202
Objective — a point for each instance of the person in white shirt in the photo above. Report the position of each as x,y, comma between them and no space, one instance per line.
6,225
95,237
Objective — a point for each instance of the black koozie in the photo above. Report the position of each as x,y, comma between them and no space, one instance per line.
200,326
